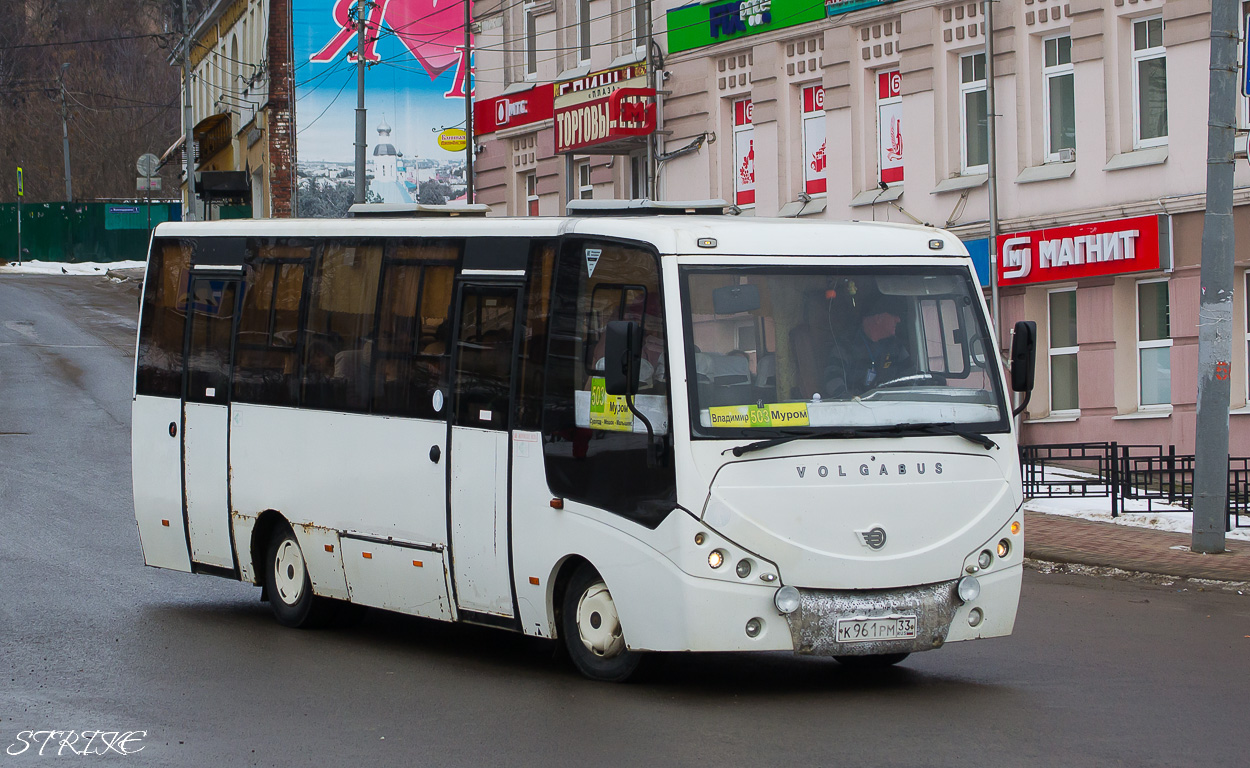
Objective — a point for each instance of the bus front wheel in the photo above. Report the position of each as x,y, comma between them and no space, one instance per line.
592,630
290,590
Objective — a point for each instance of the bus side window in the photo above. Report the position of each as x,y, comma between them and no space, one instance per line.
594,451
164,319
534,334
412,329
266,360
338,337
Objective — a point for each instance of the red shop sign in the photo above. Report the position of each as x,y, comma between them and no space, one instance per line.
1085,250
625,113
513,110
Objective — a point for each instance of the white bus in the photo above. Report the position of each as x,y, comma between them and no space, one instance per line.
642,427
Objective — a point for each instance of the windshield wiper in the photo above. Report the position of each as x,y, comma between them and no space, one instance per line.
949,428
760,445
899,430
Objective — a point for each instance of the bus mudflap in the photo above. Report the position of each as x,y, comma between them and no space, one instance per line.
870,622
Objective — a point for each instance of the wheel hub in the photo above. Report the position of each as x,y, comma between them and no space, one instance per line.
289,572
597,623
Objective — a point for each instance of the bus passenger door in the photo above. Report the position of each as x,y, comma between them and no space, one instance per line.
206,418
478,453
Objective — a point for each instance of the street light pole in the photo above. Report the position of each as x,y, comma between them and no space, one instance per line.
992,186
362,12
188,150
468,103
69,185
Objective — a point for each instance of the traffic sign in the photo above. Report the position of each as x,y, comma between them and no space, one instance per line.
148,164
20,191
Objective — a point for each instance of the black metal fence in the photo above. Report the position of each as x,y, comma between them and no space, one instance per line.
1123,472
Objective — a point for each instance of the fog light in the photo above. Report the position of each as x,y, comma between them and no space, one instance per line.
743,569
754,626
786,599
1004,547
974,617
699,538
969,589
984,559
716,558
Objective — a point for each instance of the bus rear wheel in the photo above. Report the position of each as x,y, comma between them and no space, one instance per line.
289,588
592,630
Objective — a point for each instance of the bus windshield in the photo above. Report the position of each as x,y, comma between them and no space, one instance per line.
792,350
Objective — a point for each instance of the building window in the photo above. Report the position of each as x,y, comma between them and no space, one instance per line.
1058,97
1064,391
890,127
744,154
640,24
531,194
638,176
1154,344
813,122
531,42
585,190
974,147
583,31
1150,84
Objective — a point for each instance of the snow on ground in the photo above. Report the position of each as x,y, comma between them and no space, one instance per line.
1138,513
63,268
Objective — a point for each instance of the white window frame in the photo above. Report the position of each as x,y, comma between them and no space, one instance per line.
966,88
529,23
1050,72
531,194
1152,344
640,24
1245,316
583,31
1138,56
585,189
1053,352
817,114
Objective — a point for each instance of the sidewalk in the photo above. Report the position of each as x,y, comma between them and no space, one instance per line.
1060,539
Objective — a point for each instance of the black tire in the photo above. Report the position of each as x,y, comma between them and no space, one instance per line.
880,661
288,586
592,632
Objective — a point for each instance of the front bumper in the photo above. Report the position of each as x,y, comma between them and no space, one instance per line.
813,627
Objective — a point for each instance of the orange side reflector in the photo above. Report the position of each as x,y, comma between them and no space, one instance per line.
557,503
418,563
368,555
165,523
534,580
329,547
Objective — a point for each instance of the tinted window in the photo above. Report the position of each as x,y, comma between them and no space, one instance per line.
534,335
163,323
596,451
338,338
484,356
213,304
412,329
266,356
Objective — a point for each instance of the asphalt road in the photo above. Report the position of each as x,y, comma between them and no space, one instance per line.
1099,671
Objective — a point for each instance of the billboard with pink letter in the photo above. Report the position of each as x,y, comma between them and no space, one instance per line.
414,89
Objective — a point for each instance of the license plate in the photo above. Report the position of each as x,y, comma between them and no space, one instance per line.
876,630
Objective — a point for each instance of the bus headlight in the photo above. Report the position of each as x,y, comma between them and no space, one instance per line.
716,558
985,559
786,599
969,589
1004,548
744,568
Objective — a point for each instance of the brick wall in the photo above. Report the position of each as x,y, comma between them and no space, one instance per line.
281,111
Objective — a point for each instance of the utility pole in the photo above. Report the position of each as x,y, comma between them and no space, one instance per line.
69,184
362,12
652,171
993,167
468,103
188,149
1215,308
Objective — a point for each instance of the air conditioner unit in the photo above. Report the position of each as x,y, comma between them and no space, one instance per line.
1067,155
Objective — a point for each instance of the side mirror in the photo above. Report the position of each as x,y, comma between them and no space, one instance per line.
622,357
1023,356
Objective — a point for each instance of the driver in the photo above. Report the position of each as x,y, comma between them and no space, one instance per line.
874,355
